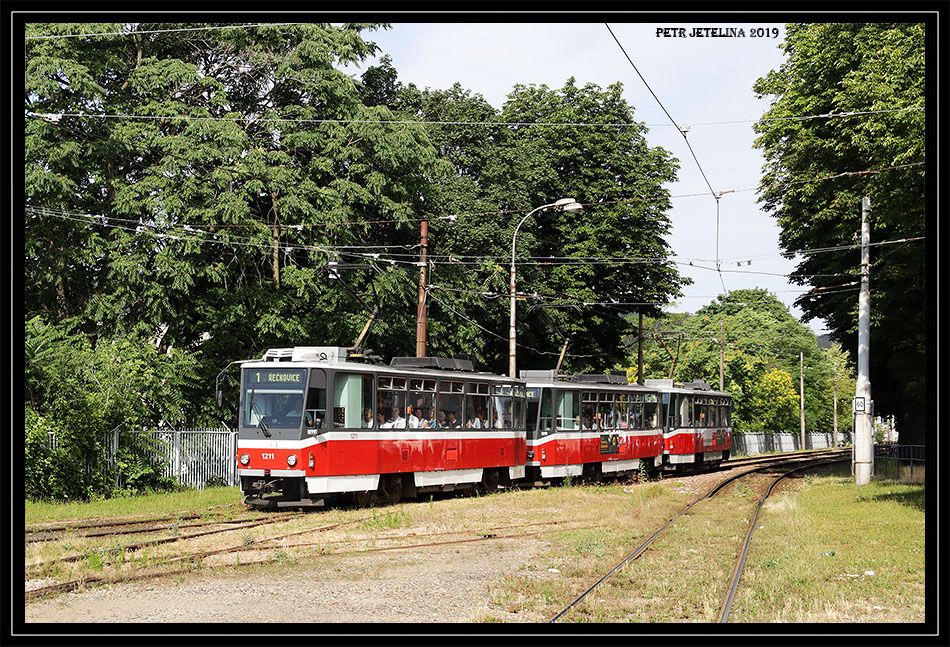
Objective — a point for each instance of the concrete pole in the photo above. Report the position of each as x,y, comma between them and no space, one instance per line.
801,394
863,442
421,309
834,435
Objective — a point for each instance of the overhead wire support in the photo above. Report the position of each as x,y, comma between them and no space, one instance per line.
682,132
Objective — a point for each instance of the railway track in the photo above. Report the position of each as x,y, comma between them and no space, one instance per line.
798,464
167,540
192,558
135,528
118,527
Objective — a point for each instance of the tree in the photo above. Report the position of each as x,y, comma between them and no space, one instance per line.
215,214
501,172
854,67
759,336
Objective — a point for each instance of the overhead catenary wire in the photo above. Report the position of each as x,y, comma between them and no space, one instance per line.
165,31
404,258
682,132
49,116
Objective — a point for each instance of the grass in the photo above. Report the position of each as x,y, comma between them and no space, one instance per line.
164,503
387,520
836,552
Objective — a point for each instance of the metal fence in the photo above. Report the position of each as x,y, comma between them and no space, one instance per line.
195,458
746,444
900,462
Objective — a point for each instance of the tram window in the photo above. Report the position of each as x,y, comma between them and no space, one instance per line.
476,406
588,410
620,412
316,409
502,407
421,405
518,407
685,418
352,401
603,418
651,417
544,423
713,417
568,410
636,415
391,403
724,416
449,409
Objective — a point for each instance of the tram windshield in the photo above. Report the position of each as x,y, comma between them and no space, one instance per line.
273,396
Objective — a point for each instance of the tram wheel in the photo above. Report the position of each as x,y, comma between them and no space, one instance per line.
489,483
364,499
391,489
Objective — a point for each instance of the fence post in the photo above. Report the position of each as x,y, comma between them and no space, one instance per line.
176,455
114,451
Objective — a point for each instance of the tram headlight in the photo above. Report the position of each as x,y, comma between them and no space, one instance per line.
245,459
292,460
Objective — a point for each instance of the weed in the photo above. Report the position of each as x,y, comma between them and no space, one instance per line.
743,490
390,520
247,539
568,480
94,560
283,557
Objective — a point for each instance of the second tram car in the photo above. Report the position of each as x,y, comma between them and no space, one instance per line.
590,425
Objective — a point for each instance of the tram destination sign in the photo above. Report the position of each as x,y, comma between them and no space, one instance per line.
276,377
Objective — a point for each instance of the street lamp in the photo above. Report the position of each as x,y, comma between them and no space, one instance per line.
569,205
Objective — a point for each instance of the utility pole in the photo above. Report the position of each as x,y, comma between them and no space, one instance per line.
640,351
421,308
834,434
721,383
801,394
863,447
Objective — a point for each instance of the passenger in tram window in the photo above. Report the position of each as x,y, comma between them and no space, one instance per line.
477,422
439,422
367,418
415,419
380,419
453,421
504,421
598,421
398,422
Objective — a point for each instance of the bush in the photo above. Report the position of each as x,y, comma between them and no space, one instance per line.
80,392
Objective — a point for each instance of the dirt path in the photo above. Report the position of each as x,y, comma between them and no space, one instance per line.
447,584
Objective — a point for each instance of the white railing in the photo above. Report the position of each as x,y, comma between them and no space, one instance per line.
761,442
193,457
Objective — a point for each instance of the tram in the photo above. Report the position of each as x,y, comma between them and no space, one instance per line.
319,425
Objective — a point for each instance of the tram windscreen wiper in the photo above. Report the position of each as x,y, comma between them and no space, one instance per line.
260,419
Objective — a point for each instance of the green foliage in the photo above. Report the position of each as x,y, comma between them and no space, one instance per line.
772,403
517,168
77,392
761,346
833,67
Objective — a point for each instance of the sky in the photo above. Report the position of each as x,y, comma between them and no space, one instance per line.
698,80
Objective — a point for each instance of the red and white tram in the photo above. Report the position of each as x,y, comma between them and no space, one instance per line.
697,427
315,425
318,425
588,425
